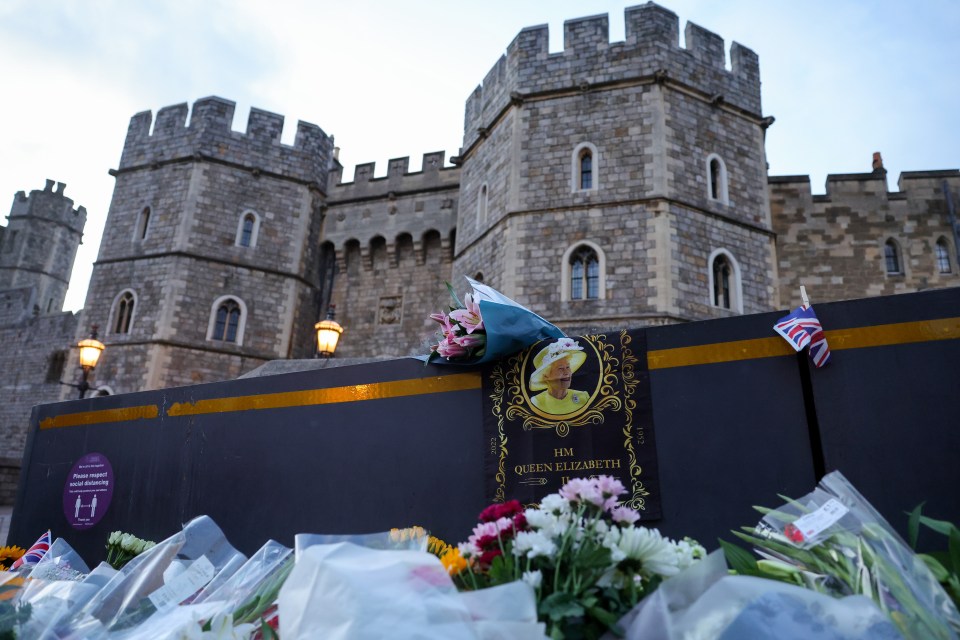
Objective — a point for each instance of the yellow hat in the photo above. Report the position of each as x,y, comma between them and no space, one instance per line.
564,348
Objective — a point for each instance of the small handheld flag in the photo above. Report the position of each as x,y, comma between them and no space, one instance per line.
802,328
34,553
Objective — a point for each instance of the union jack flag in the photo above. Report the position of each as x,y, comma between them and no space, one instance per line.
801,328
34,553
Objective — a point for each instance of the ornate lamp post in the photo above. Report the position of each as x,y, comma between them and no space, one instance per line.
90,350
328,334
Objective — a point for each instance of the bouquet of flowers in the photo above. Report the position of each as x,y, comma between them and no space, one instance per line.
486,326
124,547
581,552
834,542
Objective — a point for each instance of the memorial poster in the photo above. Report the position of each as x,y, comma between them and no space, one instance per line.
567,408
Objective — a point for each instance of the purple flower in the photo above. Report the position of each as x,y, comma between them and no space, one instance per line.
624,515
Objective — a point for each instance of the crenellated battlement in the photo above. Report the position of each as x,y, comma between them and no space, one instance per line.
51,204
874,184
209,135
433,176
650,50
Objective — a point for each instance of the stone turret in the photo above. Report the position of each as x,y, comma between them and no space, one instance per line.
39,245
640,161
205,221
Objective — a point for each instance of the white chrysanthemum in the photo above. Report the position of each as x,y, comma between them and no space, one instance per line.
555,504
688,552
539,519
647,546
611,541
532,544
532,578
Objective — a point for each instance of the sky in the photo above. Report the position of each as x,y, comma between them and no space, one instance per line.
843,78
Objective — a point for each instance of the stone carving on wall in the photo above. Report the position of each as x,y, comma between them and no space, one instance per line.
391,310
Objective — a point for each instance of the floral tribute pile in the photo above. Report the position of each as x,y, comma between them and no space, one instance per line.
581,551
575,566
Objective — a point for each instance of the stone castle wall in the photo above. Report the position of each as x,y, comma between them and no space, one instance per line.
380,249
33,370
392,238
834,243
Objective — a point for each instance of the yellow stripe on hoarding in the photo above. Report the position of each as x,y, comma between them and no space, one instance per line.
100,417
353,393
839,339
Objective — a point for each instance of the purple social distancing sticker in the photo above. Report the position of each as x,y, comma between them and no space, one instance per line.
88,491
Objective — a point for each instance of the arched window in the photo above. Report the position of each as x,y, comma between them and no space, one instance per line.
248,228
891,254
717,179
482,203
943,256
726,290
722,273
123,308
583,273
584,168
227,319
143,224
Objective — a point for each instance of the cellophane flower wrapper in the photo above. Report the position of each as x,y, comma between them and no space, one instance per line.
251,593
60,562
703,602
383,540
510,327
57,587
866,556
156,581
347,592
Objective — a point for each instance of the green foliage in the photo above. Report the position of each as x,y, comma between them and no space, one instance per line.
739,559
945,565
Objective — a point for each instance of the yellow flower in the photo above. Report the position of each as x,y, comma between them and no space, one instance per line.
409,533
10,553
437,547
453,562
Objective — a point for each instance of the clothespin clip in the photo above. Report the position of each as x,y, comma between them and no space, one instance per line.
803,296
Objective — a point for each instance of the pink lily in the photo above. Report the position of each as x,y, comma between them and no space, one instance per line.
469,341
469,318
444,320
449,349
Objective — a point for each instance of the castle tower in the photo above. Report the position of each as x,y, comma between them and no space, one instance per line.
619,184
38,246
208,265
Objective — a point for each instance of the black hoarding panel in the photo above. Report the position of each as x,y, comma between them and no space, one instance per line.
391,444
731,426
887,404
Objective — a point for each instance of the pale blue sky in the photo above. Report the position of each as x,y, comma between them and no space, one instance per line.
389,79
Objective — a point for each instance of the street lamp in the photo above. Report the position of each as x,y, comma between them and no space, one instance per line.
90,350
328,333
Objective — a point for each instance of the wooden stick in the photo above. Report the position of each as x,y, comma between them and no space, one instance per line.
803,295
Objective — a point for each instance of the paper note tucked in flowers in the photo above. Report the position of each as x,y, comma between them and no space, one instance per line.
485,327
809,527
183,586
